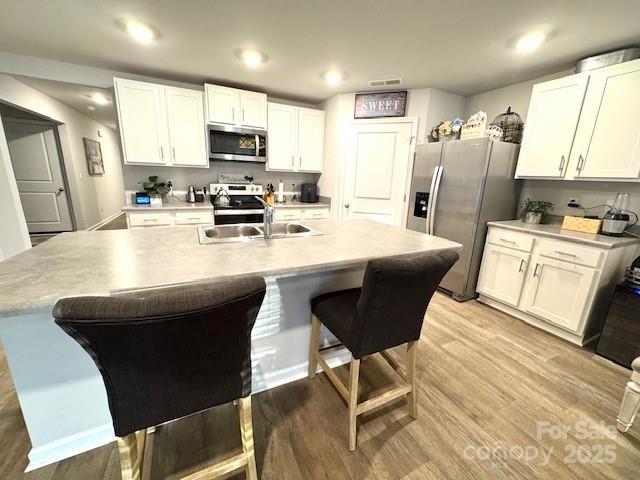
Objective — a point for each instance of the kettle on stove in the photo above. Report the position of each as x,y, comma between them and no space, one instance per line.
222,198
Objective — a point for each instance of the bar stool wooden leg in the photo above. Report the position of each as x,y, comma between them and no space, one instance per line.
314,345
246,432
131,449
354,373
411,379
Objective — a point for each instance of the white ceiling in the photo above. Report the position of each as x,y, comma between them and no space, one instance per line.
77,97
462,46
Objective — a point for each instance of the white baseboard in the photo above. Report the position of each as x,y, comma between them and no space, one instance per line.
105,221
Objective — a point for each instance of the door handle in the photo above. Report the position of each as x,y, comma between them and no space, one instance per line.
521,265
173,150
535,270
434,201
346,205
561,167
60,189
580,163
161,153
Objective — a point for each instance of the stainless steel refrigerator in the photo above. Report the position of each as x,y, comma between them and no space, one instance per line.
457,187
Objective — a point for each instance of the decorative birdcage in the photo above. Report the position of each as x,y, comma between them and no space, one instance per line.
511,125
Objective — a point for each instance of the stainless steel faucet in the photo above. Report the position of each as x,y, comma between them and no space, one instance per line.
268,217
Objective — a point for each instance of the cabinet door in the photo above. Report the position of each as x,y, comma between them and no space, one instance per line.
253,109
551,124
503,273
281,150
223,104
185,118
608,138
310,140
142,122
560,292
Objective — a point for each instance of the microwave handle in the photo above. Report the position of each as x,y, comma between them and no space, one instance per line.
257,145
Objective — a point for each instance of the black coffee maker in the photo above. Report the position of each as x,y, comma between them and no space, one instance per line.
309,193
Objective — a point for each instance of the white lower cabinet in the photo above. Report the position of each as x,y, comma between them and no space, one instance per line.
559,292
503,273
169,218
558,285
286,214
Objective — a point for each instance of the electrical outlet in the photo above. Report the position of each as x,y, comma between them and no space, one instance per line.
573,202
169,183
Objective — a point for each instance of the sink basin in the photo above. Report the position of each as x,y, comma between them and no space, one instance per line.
208,234
288,228
227,233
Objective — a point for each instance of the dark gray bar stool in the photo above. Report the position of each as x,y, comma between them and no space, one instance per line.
168,355
386,312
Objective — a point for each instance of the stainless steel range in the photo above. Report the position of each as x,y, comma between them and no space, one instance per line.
236,203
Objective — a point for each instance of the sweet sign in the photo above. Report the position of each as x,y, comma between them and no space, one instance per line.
382,104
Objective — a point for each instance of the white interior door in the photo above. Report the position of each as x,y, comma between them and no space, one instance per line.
376,169
551,124
36,166
185,115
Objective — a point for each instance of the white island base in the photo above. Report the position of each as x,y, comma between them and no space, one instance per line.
61,393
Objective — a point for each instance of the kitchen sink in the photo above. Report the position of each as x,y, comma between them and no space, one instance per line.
208,234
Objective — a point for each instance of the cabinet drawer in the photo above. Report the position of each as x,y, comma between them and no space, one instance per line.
149,219
193,218
570,252
507,238
315,213
287,214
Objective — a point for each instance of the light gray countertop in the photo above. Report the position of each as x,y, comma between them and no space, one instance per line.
555,231
109,261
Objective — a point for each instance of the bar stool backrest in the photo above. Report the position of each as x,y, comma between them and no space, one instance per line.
169,354
394,299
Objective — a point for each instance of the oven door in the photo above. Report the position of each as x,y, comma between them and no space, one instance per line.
230,217
231,143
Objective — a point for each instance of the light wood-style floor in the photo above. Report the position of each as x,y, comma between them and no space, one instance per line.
485,379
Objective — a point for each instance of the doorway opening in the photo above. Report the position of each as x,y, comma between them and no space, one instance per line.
38,166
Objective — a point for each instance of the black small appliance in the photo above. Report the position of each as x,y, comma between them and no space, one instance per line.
309,193
620,337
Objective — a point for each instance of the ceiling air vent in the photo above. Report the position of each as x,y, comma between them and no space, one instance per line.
385,83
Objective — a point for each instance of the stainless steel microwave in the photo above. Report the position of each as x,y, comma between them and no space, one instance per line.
237,144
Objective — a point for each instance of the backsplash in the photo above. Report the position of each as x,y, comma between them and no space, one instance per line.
183,177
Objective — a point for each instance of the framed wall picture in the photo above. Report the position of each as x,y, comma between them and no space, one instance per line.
380,104
94,157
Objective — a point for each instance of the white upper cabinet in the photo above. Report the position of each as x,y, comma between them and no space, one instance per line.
310,140
222,104
142,129
185,117
584,126
231,106
253,109
281,137
607,143
161,125
551,124
295,139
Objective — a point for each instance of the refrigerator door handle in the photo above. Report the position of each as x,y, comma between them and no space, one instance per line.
431,197
434,200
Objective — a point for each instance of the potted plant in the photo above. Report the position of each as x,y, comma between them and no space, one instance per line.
532,210
156,190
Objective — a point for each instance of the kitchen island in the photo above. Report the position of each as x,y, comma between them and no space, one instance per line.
60,390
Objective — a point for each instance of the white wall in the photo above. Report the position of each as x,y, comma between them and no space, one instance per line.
428,105
14,235
94,198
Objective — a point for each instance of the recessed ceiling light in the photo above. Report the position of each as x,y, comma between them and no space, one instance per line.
140,32
530,42
333,77
91,108
100,99
252,58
